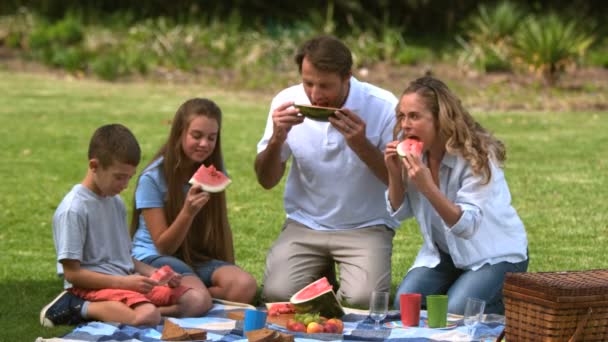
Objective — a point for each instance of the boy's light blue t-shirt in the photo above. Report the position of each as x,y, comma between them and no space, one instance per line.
93,230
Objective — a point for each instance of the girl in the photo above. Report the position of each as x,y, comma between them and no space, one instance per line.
458,193
182,226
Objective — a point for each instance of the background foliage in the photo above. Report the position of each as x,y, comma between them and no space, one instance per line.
250,44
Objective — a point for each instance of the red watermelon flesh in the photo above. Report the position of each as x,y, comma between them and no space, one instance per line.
163,274
410,146
313,289
317,297
210,179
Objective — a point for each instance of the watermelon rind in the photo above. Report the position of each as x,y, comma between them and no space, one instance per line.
401,149
325,303
316,112
210,179
211,188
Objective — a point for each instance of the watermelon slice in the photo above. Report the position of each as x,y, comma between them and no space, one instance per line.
318,297
210,179
279,308
410,146
163,275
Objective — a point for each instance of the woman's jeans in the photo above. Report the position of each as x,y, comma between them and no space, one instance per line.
485,283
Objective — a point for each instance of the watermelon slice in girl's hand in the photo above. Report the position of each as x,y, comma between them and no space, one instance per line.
163,275
210,179
410,146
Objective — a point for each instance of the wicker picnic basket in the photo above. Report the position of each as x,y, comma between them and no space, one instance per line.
556,306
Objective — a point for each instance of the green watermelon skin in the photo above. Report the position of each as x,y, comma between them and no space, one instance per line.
324,302
315,112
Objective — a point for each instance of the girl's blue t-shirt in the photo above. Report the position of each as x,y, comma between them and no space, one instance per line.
150,193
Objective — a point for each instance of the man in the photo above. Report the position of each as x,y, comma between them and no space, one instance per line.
334,194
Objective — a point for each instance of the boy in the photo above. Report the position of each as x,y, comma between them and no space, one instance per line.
92,240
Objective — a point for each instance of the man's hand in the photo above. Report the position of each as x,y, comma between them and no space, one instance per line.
351,126
283,118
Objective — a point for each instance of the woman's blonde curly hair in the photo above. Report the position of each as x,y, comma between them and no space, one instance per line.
461,133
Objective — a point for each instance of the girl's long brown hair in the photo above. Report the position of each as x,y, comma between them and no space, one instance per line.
209,236
462,134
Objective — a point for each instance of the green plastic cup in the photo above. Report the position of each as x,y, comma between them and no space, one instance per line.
437,310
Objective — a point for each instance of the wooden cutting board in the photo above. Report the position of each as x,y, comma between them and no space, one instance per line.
280,320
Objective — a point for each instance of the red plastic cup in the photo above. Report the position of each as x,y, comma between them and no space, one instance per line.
409,305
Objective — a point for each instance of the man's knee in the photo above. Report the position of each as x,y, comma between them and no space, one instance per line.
356,297
275,290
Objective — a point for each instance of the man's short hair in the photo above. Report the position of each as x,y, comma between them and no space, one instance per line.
326,53
114,142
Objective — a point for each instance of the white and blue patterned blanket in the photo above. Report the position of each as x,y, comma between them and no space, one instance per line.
357,327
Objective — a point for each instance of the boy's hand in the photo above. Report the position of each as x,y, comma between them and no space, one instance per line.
139,283
175,281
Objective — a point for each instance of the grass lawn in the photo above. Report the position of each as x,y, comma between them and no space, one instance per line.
556,169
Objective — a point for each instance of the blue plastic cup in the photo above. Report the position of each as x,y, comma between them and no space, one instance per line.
254,320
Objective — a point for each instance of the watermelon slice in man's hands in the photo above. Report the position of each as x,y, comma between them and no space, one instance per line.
210,179
163,275
410,146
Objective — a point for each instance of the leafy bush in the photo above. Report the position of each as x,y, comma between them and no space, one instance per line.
488,37
60,44
15,29
598,55
548,45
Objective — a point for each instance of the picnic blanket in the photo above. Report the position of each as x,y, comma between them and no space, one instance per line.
357,327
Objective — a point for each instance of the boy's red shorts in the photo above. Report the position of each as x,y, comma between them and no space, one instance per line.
159,295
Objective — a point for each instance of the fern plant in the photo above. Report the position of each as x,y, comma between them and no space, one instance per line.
548,45
488,37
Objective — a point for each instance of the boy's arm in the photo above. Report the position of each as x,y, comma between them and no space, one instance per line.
143,268
83,278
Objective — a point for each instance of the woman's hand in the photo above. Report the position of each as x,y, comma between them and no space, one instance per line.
392,159
196,198
418,173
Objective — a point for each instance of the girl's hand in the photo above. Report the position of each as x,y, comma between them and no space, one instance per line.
196,198
391,159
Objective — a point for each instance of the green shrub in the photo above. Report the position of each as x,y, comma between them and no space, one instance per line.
412,55
548,45
488,37
15,29
598,55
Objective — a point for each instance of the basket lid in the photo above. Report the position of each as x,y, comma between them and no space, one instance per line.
552,285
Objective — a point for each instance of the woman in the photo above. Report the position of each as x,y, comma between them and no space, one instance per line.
182,226
457,191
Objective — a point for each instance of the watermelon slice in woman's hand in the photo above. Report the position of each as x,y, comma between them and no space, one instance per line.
210,179
410,146
163,275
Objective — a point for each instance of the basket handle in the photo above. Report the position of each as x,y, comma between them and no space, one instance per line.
579,327
501,336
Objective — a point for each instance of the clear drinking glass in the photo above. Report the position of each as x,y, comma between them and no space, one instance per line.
378,307
473,313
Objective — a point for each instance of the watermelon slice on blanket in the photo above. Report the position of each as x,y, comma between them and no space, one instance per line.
318,297
410,146
210,179
163,275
